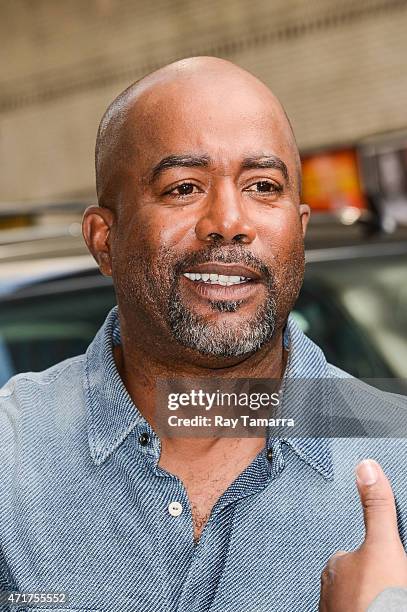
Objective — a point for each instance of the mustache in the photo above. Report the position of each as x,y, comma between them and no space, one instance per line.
231,255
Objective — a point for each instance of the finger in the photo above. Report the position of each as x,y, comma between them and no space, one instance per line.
379,508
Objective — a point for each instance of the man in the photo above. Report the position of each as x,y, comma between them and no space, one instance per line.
200,225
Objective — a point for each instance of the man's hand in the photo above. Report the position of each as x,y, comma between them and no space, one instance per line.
351,580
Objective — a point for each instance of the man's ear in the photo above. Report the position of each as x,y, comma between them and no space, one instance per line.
96,224
305,212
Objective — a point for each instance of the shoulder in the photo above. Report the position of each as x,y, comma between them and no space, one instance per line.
45,379
379,391
369,408
335,372
31,399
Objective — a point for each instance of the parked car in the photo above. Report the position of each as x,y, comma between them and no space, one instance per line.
353,305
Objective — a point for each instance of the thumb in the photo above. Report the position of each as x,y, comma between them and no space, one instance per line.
379,508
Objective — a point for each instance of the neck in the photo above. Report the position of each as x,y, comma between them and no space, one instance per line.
140,363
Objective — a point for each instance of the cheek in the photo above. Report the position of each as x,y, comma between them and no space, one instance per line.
161,227
148,245
281,234
283,246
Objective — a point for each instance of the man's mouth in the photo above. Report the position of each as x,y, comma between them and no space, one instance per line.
217,279
223,281
221,274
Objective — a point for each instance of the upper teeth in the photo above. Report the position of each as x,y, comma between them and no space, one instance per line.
216,279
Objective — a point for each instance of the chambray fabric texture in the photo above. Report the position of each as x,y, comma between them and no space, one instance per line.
84,505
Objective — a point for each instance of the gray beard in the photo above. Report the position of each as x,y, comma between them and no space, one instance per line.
162,301
222,339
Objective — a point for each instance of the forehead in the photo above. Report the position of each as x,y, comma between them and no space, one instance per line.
225,121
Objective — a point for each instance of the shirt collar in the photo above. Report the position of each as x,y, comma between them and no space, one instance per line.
112,415
307,361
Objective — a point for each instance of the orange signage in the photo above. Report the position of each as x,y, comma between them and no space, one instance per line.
331,181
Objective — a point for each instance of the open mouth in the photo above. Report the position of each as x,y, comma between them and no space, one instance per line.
217,281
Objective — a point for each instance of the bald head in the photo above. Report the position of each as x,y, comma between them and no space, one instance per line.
198,174
190,88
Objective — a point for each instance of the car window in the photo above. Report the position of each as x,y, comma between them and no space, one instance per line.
321,316
361,318
37,332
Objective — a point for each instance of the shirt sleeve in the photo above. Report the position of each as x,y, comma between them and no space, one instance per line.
390,600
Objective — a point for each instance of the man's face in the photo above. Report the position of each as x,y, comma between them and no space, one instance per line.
208,240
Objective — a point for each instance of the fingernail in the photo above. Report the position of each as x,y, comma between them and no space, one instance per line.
366,472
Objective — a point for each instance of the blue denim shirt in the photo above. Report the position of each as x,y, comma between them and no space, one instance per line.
84,508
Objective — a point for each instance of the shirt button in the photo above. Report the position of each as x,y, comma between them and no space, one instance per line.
144,439
269,454
174,508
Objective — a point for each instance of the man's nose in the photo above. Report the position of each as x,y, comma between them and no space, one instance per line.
225,219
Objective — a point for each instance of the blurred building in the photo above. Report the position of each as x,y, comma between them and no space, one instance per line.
338,67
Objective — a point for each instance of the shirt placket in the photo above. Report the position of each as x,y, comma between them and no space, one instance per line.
210,556
173,521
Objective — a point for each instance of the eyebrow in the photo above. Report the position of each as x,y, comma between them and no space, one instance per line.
266,161
179,161
203,161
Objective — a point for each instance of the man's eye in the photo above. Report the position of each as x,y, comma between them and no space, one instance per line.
184,189
264,187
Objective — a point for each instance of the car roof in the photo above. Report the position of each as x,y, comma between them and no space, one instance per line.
18,274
